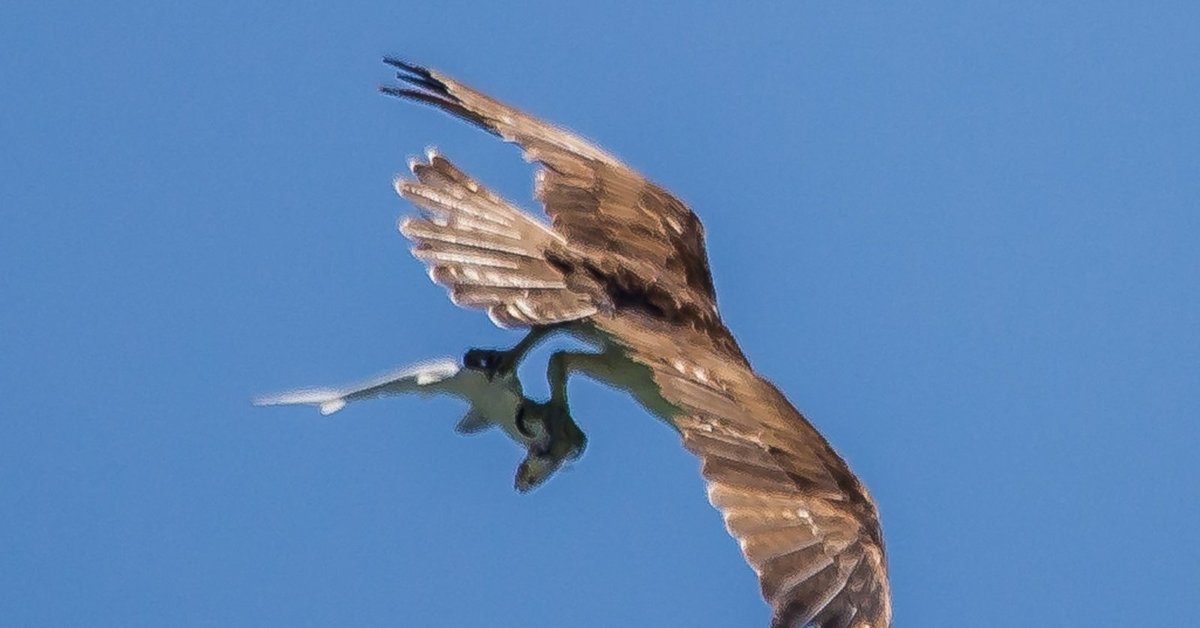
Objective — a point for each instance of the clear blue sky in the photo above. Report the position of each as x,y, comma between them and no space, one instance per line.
963,240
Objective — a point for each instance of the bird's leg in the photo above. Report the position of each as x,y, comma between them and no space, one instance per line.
555,436
502,362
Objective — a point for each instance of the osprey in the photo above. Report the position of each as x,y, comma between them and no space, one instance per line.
623,267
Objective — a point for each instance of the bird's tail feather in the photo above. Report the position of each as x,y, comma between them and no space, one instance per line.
488,253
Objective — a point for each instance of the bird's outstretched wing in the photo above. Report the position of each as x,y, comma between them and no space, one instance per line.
487,252
635,232
805,523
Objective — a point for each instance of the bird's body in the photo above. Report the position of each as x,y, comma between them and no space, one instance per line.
623,266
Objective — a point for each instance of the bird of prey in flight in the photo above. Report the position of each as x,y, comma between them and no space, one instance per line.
623,267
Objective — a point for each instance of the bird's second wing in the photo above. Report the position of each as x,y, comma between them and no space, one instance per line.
636,232
805,523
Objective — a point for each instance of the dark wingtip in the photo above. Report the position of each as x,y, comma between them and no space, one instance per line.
406,66
419,84
412,74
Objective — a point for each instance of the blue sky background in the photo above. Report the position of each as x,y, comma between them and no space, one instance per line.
963,239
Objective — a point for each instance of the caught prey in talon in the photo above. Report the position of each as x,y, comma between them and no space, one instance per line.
622,266
492,401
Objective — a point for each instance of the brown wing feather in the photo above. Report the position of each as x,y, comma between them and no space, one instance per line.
634,232
488,253
805,524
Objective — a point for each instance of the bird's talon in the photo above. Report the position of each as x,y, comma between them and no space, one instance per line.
490,361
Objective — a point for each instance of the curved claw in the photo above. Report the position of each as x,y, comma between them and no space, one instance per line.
531,422
524,425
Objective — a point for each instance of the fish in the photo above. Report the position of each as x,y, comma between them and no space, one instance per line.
493,401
